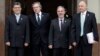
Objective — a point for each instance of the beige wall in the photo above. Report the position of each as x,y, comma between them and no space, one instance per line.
94,6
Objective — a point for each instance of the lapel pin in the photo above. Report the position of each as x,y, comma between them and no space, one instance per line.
42,15
66,15
21,18
87,14
65,21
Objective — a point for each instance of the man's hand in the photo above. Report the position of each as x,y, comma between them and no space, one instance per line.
95,42
50,46
8,43
70,47
74,43
26,44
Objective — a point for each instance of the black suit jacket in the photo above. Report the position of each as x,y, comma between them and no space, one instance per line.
90,25
59,38
17,33
39,32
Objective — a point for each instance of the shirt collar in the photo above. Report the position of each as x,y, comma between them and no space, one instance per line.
17,14
84,13
40,13
61,19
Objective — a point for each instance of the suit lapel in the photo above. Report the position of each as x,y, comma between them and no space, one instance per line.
20,19
57,24
86,18
33,19
14,19
42,18
64,24
79,20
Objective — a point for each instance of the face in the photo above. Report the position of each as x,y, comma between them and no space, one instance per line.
36,8
82,6
17,9
60,12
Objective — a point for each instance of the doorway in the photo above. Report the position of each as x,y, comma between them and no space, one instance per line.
48,6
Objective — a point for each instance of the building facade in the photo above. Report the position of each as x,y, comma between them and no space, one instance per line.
93,5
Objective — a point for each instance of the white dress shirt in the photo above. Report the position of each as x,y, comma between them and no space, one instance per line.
82,20
40,14
17,17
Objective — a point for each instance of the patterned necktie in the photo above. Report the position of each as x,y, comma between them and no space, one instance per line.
61,24
38,19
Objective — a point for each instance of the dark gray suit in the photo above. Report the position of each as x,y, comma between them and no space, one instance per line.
39,34
17,33
59,39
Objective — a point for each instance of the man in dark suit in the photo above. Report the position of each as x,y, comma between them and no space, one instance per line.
82,24
16,31
59,34
39,30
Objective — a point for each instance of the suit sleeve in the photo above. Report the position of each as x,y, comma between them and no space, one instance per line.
73,30
48,23
69,33
51,34
7,29
27,39
95,30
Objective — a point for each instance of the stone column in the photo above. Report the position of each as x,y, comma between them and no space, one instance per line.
2,19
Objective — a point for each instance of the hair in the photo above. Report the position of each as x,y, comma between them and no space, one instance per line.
61,7
37,3
16,3
83,1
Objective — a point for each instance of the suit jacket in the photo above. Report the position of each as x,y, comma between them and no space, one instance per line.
39,32
17,33
57,38
90,25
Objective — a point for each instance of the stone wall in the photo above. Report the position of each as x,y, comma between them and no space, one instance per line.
2,19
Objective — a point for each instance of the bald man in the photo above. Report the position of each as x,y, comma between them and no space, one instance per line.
82,24
59,33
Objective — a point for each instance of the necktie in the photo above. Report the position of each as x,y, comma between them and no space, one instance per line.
61,24
82,24
38,19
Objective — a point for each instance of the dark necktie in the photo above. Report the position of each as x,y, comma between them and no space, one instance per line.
61,24
38,19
